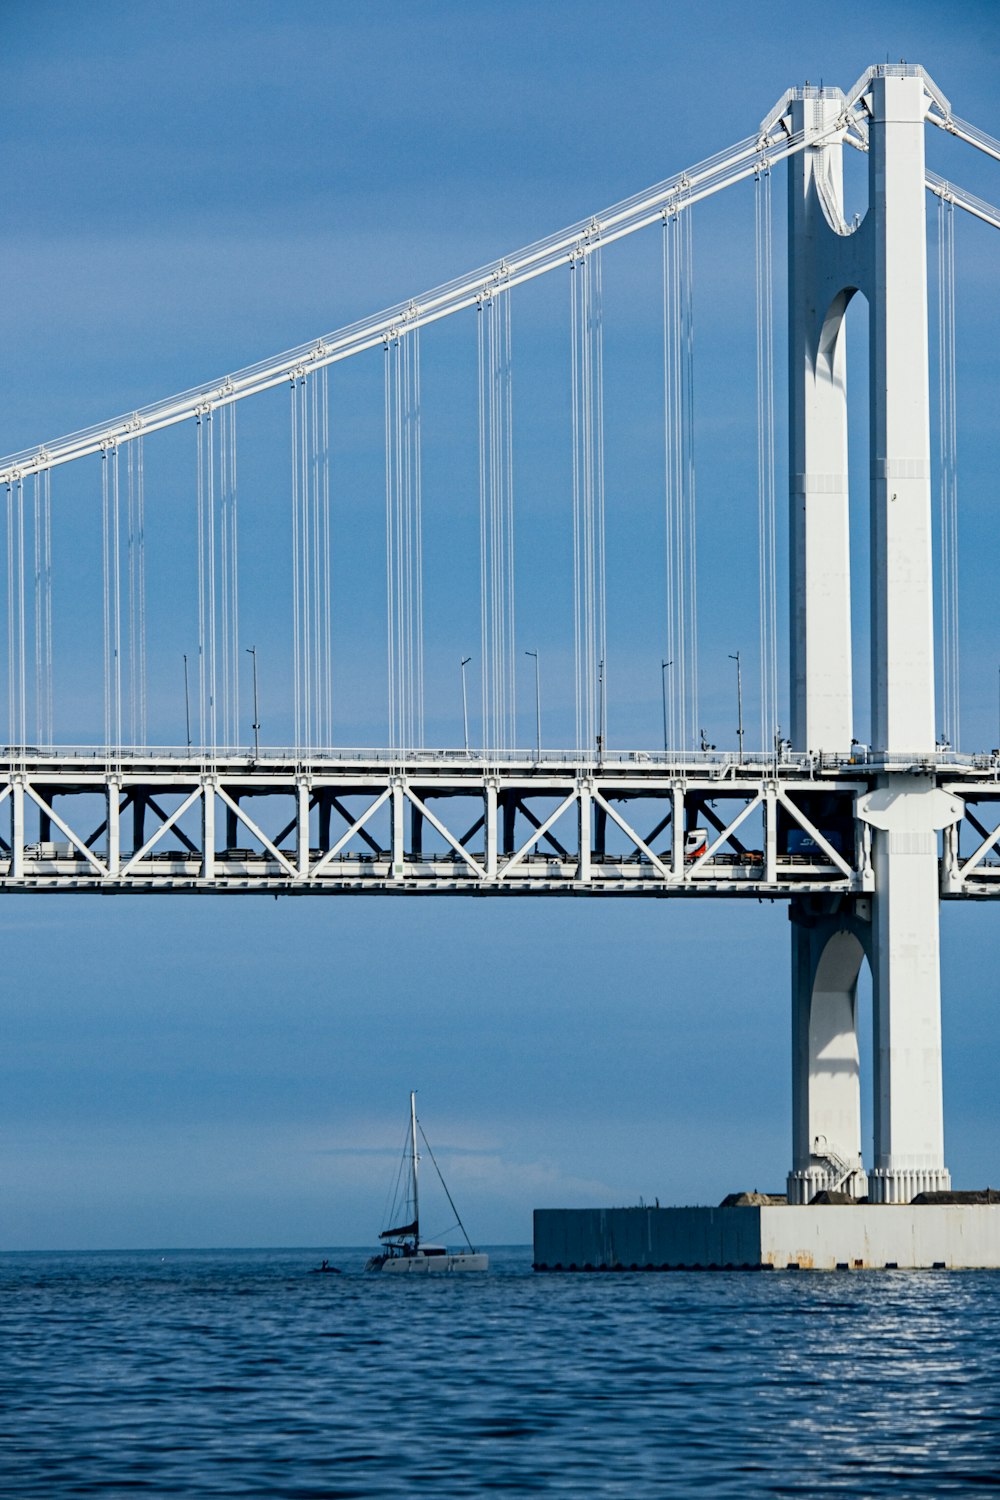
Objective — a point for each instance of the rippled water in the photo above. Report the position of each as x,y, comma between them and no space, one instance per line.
237,1373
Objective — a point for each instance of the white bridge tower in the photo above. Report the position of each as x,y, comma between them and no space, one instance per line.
884,258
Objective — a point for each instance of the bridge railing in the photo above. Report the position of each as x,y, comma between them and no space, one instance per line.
859,757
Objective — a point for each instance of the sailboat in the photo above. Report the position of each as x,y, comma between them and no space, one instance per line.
402,1248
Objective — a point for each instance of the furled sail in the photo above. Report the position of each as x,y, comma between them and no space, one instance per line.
401,1232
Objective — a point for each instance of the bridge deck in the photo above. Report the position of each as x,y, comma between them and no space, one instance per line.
438,822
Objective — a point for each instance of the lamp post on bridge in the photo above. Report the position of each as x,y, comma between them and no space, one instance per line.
735,656
252,651
187,703
538,707
663,693
465,703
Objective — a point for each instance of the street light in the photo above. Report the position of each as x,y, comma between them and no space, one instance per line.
538,707
663,692
735,656
252,651
187,702
465,703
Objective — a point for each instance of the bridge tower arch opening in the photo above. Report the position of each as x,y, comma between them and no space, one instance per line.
827,1152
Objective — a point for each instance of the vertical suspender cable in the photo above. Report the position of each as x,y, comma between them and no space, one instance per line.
106,590
681,508
576,276
224,576
327,550
17,633
508,428
38,601
116,599
203,716
141,586
496,519
679,677
234,578
48,735
22,690
316,555
670,660
398,579
405,473
416,426
296,605
136,608
404,544
589,571
505,518
210,571
493,651
484,513
766,519
600,568
399,539
499,656
390,577
305,552
229,576
589,665
677,612
948,477
131,612
12,735
690,494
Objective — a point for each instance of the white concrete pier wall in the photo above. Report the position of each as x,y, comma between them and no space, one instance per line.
861,1237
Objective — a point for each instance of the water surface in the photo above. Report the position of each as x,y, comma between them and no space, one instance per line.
236,1373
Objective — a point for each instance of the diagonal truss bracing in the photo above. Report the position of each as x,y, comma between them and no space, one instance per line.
971,854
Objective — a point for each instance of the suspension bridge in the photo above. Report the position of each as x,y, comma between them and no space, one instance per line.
863,840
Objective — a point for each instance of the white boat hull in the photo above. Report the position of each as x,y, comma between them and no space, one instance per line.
420,1264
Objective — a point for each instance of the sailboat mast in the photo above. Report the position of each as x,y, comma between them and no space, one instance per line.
413,1150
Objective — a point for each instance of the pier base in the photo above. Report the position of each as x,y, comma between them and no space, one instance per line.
866,1236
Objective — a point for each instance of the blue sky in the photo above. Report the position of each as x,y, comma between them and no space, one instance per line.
193,187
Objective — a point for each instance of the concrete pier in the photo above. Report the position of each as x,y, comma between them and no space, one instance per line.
865,1236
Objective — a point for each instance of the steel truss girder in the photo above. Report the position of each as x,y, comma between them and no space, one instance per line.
970,864
574,810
